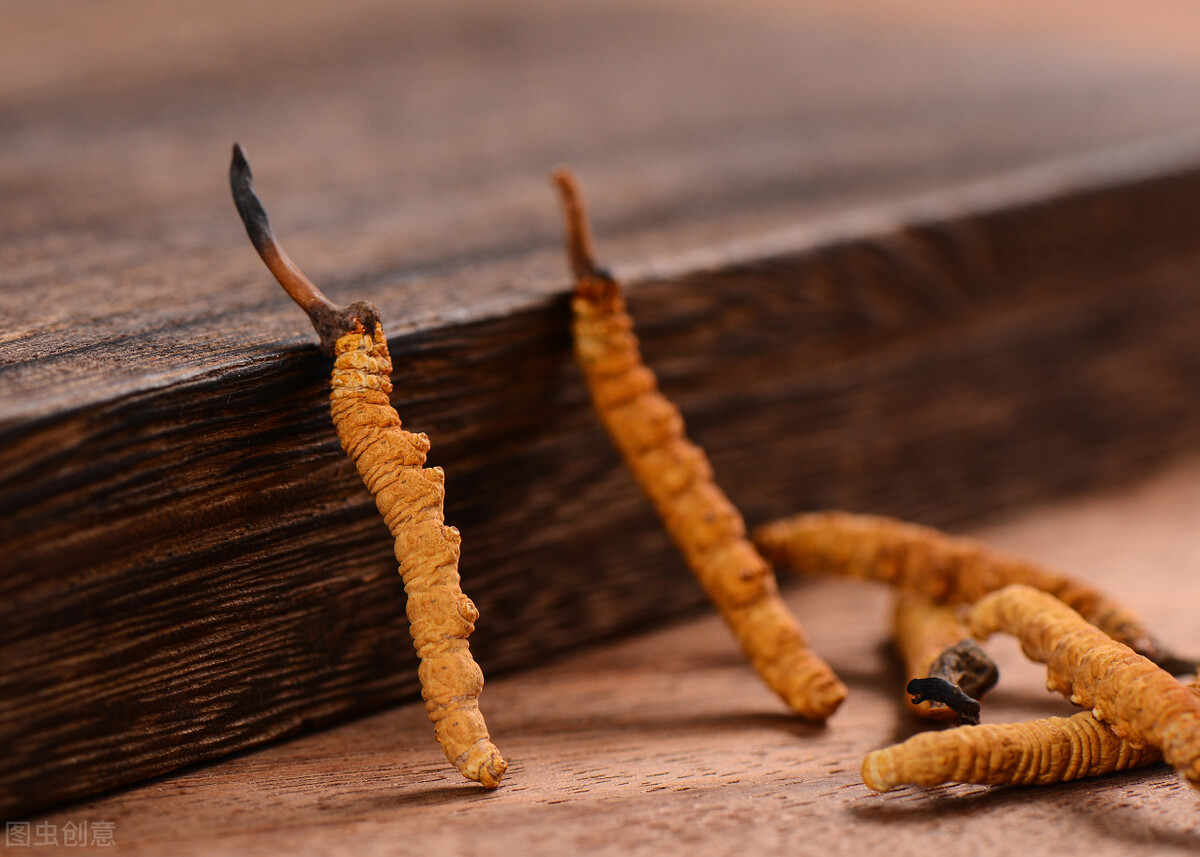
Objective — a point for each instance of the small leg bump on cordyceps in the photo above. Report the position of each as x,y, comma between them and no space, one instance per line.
675,474
943,568
409,496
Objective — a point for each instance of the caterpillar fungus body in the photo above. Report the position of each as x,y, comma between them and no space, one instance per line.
1137,700
1038,752
947,670
943,568
676,476
408,495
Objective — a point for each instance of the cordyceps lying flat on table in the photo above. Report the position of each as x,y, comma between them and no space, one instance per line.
947,670
675,474
409,496
1037,752
1137,700
943,568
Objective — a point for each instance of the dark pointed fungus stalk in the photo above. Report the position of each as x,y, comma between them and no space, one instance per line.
948,670
329,320
409,496
947,693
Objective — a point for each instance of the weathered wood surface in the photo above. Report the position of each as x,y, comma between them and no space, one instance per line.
405,153
190,565
666,743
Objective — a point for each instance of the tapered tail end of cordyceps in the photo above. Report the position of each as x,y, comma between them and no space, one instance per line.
1150,647
484,764
1176,665
591,281
330,321
879,771
822,699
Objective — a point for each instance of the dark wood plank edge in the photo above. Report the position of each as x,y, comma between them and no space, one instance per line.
196,570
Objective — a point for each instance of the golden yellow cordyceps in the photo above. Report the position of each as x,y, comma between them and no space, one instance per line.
1038,752
409,496
675,474
943,568
1137,700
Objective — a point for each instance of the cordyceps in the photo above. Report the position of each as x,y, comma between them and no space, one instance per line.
409,496
941,567
1140,702
675,474
1039,752
947,670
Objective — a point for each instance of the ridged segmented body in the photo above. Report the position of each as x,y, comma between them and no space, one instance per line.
944,568
1138,701
1039,752
410,497
710,532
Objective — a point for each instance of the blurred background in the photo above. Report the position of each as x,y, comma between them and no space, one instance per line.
395,140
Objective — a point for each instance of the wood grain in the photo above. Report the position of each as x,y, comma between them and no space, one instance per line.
190,565
666,743
404,154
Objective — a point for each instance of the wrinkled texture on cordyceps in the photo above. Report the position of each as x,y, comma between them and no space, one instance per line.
390,461
1039,752
1140,702
410,499
675,474
941,567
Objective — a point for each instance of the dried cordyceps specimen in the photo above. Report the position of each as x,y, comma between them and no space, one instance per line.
947,670
1039,752
1136,699
409,496
944,568
676,476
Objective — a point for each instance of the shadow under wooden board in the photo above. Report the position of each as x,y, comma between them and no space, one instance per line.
667,743
191,566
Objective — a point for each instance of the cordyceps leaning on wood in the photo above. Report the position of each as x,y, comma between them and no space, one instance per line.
676,476
409,496
944,568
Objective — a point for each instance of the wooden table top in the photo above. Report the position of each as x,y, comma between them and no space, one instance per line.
404,156
667,743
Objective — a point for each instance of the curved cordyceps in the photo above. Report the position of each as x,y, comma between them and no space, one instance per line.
944,568
1038,752
676,476
1140,702
409,496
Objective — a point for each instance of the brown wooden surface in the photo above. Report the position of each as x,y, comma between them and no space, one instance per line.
190,565
404,153
666,743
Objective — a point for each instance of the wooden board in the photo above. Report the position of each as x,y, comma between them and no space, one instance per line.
666,743
187,553
404,153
